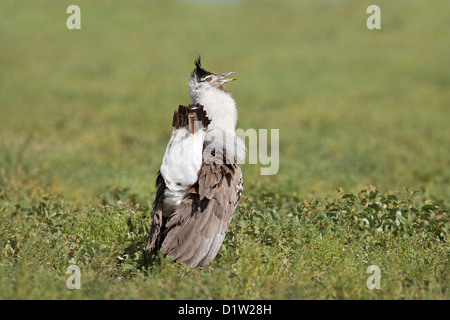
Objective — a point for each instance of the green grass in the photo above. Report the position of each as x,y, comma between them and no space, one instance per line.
85,117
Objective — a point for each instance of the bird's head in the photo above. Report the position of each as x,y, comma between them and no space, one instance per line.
202,81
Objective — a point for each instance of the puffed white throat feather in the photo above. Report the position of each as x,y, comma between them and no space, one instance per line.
208,90
218,103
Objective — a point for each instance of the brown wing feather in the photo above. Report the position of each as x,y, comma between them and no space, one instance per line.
156,233
195,232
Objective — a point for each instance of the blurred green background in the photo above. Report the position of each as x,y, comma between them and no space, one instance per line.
86,115
81,110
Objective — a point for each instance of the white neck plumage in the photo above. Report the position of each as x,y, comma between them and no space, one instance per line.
220,107
221,110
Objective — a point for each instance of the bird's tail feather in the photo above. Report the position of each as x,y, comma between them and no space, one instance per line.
192,117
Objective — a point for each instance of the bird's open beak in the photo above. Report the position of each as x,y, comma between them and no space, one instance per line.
223,75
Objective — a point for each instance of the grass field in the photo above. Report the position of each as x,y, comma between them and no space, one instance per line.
364,153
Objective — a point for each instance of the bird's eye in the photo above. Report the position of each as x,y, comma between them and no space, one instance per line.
208,79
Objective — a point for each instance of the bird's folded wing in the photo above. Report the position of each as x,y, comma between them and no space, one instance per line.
195,231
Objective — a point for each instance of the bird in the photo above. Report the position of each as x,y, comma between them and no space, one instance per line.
199,183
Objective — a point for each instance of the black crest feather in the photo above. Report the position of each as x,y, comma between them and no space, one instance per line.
199,71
